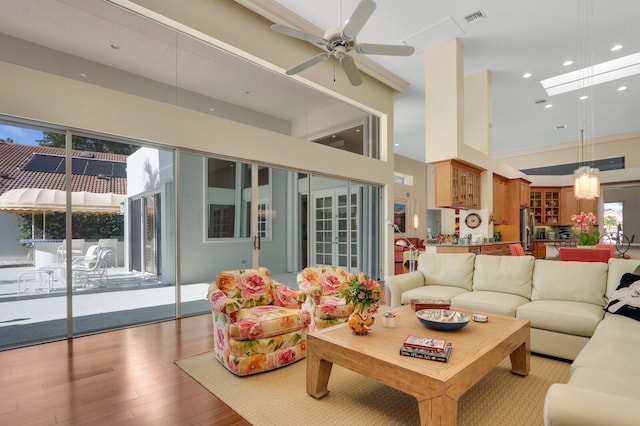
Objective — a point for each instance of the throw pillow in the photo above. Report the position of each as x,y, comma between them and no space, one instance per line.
626,299
636,271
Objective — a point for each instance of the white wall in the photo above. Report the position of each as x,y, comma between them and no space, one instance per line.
10,248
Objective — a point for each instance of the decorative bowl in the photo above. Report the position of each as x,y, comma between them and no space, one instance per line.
442,319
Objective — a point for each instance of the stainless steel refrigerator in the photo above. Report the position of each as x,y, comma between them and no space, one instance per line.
527,223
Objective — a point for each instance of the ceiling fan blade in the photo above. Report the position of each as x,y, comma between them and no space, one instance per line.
351,70
306,64
291,32
360,16
385,49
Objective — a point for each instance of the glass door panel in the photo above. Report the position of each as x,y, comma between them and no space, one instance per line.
280,224
124,272
216,202
33,302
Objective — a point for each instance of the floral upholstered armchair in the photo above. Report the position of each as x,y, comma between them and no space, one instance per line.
257,323
324,303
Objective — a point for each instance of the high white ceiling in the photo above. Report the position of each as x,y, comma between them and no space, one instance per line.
517,36
76,36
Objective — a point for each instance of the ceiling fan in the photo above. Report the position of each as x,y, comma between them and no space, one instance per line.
339,41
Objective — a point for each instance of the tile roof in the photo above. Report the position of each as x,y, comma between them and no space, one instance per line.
14,157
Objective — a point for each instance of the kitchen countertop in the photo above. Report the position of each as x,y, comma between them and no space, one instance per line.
472,244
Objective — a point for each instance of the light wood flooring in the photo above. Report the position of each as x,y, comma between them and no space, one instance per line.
123,377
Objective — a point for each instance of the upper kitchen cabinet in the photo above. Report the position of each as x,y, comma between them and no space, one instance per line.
499,200
525,192
545,205
570,205
457,184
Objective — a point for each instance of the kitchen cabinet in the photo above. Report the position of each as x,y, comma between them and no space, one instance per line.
570,205
499,200
525,192
540,249
545,205
457,184
496,250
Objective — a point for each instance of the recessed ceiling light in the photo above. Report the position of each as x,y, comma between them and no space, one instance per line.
621,88
397,144
548,106
567,63
357,130
212,109
616,48
583,97
83,75
527,75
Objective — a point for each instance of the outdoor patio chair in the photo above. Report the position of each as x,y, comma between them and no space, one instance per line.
93,269
77,245
110,244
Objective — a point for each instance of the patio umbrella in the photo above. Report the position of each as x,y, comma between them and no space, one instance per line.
39,200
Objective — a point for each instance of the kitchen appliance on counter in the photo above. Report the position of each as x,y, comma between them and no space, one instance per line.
542,234
526,230
564,233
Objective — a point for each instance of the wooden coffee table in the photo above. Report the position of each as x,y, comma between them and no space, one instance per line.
477,349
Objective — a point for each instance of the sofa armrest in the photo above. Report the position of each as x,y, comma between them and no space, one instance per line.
571,405
220,302
398,284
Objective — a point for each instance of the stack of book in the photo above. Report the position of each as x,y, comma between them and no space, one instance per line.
426,348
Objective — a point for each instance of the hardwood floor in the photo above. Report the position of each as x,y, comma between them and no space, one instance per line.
122,377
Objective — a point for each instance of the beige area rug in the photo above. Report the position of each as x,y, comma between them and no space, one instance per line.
279,397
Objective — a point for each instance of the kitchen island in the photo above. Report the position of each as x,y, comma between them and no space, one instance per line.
499,248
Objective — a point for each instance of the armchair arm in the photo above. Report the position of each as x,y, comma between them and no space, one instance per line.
221,302
287,297
314,291
398,284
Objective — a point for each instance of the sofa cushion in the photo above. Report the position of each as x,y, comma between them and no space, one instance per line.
576,318
490,302
615,326
617,355
266,321
626,299
250,287
607,381
504,274
617,268
450,269
431,292
575,281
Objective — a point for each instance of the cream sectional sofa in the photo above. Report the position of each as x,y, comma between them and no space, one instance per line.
564,303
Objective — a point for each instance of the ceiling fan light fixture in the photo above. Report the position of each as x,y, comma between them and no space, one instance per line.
338,42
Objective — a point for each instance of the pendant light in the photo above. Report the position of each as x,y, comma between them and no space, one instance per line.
586,179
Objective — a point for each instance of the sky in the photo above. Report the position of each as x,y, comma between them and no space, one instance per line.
20,135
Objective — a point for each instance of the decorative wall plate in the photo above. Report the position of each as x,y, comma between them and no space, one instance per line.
472,220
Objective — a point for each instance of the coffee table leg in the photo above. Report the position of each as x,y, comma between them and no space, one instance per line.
521,360
318,372
439,411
